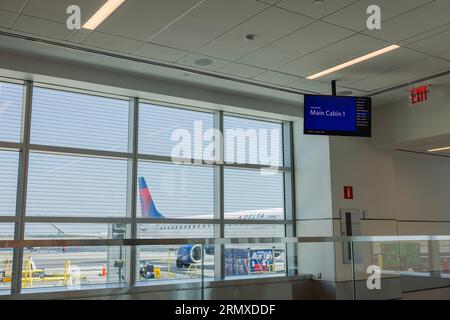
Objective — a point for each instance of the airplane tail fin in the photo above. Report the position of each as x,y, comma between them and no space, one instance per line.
148,208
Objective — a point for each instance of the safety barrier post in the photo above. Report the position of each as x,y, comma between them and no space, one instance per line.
169,273
67,273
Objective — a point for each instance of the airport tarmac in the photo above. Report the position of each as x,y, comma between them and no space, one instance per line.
88,266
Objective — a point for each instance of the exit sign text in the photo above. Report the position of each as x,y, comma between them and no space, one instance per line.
419,94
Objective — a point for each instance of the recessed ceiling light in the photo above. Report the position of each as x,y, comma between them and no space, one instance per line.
439,149
203,62
354,61
104,12
250,37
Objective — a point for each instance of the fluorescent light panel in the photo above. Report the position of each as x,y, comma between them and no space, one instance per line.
439,149
354,61
104,12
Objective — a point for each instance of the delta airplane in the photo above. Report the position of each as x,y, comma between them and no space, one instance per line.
191,253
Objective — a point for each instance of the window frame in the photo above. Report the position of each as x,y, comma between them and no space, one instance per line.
133,156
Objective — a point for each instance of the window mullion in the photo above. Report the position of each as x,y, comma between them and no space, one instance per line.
289,202
19,230
132,185
219,229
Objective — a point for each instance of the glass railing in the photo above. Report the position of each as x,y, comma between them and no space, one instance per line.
400,267
357,267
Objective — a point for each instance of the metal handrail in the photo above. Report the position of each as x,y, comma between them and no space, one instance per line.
211,241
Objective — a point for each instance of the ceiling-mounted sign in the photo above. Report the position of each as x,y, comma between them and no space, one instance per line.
419,94
337,116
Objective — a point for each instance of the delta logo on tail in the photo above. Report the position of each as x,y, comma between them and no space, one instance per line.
148,207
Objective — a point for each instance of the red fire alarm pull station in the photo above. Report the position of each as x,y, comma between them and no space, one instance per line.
348,192
419,94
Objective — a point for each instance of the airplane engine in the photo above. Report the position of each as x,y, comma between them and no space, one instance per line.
188,254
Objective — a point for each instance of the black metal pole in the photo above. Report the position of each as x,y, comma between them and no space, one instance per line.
333,87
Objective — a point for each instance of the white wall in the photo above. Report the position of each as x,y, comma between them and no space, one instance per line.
313,194
399,123
400,192
354,162
312,175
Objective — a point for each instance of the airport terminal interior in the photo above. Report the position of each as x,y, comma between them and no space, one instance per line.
225,149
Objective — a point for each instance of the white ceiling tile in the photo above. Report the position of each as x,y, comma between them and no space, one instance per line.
48,29
206,22
355,17
312,9
79,35
276,78
268,26
445,55
310,85
435,45
424,35
414,22
381,64
154,51
6,18
297,44
110,42
138,19
190,59
340,52
269,1
241,70
12,5
56,10
404,74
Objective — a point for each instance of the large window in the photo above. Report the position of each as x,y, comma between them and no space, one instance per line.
80,165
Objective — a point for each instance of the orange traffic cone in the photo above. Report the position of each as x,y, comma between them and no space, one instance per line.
103,273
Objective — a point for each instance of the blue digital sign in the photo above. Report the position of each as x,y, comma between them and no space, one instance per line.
332,115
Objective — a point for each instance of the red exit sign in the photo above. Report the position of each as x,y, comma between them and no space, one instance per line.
419,94
348,192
